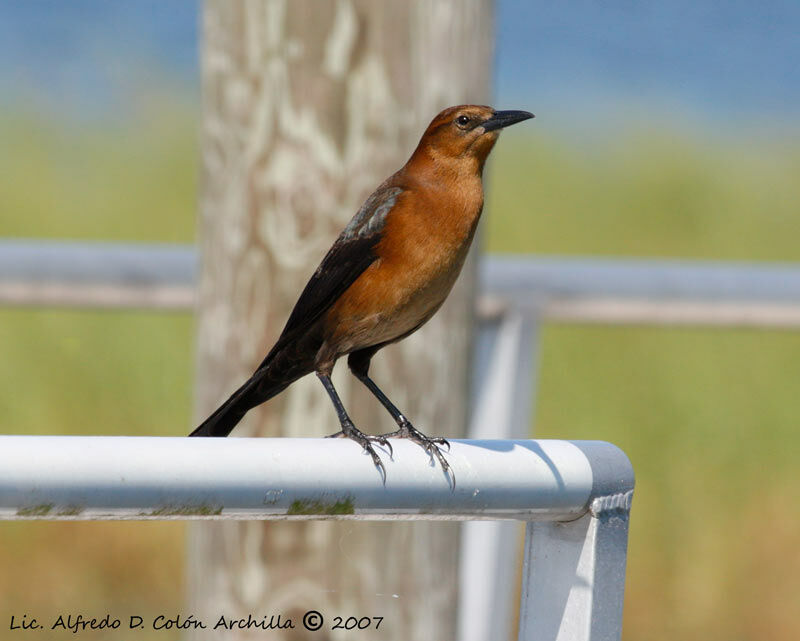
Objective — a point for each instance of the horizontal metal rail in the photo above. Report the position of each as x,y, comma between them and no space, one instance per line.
99,274
106,477
552,288
645,291
574,495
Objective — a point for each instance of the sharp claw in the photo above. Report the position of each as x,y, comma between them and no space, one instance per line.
376,460
365,440
430,445
380,440
435,451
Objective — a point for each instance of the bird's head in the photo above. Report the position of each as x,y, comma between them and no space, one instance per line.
467,133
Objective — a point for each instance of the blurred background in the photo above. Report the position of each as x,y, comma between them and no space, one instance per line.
662,130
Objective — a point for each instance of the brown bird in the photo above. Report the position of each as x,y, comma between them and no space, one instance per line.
388,272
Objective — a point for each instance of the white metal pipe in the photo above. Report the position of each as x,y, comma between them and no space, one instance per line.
97,263
489,551
573,575
552,277
570,278
97,274
644,291
103,477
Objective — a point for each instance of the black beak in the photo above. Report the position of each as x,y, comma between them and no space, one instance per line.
502,119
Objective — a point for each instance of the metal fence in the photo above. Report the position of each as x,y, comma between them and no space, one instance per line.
573,495
545,288
517,295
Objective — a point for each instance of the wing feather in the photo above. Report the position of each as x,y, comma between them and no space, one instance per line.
351,254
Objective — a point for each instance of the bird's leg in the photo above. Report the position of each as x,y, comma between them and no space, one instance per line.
349,430
405,428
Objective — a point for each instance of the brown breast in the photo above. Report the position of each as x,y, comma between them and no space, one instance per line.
425,242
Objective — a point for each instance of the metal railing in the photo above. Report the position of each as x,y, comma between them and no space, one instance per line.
547,288
575,497
517,295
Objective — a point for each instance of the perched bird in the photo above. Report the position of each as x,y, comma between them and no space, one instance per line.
388,272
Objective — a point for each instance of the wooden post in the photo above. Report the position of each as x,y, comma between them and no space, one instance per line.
307,107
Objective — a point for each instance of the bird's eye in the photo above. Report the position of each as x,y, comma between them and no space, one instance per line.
463,120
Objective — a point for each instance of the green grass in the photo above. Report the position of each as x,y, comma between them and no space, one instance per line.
650,194
93,372
709,418
130,181
96,372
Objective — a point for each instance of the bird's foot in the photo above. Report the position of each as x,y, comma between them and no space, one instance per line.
365,440
430,444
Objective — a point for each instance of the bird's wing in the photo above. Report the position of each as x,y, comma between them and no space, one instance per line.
350,255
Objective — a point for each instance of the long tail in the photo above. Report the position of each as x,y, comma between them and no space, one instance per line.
227,415
290,359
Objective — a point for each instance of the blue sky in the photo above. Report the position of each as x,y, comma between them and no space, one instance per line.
727,63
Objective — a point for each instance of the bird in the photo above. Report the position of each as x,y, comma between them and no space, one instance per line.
385,276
